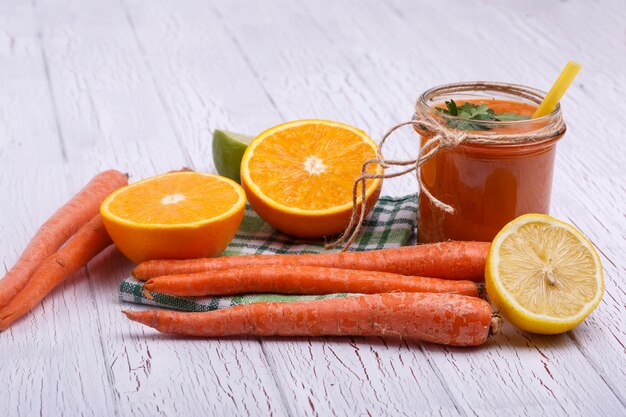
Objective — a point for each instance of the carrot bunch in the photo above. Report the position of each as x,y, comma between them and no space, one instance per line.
427,292
62,245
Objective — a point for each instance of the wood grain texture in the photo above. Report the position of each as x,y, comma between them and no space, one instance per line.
25,91
142,378
138,86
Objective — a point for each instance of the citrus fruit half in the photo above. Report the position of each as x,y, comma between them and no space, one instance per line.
179,215
228,149
543,274
299,176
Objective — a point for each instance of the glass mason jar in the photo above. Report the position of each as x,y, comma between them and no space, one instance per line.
488,185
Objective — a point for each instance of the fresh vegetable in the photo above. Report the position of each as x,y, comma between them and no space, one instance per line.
299,176
58,228
177,215
228,149
472,111
90,240
448,319
543,274
301,279
451,260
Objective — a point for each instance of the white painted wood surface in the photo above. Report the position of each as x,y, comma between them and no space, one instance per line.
139,85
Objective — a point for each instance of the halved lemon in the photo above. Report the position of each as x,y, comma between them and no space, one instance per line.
543,274
178,215
299,176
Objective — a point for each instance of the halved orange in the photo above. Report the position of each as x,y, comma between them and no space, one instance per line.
299,176
179,215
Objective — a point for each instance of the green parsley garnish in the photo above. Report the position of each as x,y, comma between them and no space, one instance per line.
472,111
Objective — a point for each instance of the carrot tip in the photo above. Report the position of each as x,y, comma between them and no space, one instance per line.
130,314
147,317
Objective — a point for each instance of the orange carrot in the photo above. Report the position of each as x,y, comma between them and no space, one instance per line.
301,279
451,260
58,228
448,319
90,240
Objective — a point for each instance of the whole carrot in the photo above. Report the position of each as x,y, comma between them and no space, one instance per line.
301,279
448,319
89,241
451,260
58,228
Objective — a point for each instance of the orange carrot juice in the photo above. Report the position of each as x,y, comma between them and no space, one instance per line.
488,185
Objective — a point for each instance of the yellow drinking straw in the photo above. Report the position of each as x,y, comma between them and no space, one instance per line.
558,89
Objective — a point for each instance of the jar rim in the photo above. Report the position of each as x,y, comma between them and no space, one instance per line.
521,91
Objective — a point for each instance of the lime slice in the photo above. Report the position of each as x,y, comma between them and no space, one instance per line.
543,274
228,149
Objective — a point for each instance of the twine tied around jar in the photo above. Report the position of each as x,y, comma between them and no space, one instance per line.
442,137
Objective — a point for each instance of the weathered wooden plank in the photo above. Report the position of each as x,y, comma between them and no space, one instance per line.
202,79
108,109
46,371
28,130
111,113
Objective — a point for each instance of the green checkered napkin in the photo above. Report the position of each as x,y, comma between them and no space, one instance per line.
389,225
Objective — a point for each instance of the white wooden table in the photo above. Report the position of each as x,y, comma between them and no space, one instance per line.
139,85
